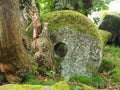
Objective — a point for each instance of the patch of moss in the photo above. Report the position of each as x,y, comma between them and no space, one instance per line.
60,86
49,82
20,87
105,36
76,87
80,86
85,87
71,19
32,81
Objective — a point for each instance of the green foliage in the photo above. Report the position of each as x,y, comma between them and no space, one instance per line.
58,6
69,6
111,63
2,78
99,82
96,20
95,81
101,5
51,74
79,5
81,79
115,74
48,82
75,88
32,73
107,64
111,59
31,79
45,5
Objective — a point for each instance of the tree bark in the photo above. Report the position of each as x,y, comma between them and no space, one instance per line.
13,57
42,45
44,52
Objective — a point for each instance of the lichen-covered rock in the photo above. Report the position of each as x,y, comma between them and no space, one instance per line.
77,42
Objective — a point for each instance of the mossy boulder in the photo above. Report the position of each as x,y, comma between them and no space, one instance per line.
111,23
77,42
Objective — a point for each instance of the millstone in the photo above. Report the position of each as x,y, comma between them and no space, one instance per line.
77,54
77,43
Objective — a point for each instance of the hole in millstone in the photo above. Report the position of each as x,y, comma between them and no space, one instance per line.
60,49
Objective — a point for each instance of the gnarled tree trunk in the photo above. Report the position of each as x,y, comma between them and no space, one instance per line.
42,45
13,57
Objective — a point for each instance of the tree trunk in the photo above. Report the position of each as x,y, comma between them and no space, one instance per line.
42,45
13,57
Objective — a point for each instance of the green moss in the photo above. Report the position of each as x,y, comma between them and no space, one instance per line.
99,82
107,65
32,73
32,81
85,87
20,87
81,79
71,19
105,35
49,82
76,87
60,86
111,58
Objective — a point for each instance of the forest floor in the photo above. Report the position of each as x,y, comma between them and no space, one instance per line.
106,78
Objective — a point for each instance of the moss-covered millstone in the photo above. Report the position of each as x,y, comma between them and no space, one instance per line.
77,42
111,23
